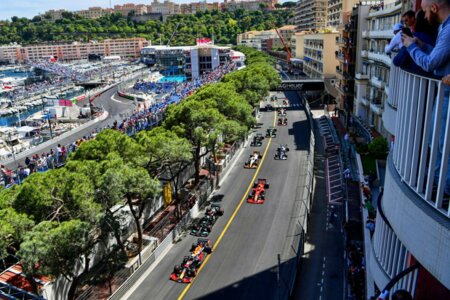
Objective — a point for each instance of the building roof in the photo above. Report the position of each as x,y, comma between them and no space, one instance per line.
15,278
288,27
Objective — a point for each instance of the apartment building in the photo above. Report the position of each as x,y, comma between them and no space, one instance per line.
126,48
346,15
53,14
256,39
372,85
319,55
310,14
297,41
339,12
248,5
409,246
94,12
126,9
165,8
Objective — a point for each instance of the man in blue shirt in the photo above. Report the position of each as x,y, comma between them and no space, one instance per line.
436,60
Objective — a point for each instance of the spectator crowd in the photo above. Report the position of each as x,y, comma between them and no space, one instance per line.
142,118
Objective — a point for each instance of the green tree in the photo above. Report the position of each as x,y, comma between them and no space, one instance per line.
13,226
168,156
57,249
193,120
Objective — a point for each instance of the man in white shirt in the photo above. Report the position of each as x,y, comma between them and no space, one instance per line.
396,42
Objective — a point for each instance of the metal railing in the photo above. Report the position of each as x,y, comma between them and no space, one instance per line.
421,151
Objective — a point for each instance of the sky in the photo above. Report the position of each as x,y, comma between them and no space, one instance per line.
31,8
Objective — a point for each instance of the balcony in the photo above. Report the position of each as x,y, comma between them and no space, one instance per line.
418,135
376,107
364,53
377,82
361,76
364,101
381,34
380,57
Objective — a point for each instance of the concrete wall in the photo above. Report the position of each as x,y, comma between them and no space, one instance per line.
423,230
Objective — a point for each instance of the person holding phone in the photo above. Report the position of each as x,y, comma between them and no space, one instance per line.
437,60
396,41
423,31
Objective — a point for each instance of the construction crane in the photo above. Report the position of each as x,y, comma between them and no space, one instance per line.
286,47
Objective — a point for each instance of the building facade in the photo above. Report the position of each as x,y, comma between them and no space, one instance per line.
94,12
125,48
310,14
373,84
409,246
319,55
256,39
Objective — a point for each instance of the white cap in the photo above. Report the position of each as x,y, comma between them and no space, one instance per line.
398,26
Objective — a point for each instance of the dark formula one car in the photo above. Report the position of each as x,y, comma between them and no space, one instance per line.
282,121
281,152
258,193
274,98
281,112
253,160
285,102
204,226
257,140
268,107
271,132
185,272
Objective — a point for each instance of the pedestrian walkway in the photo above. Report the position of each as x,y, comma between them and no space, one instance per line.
320,275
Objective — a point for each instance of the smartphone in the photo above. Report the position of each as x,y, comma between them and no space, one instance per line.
407,31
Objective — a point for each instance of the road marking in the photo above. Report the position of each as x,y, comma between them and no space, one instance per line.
115,100
225,229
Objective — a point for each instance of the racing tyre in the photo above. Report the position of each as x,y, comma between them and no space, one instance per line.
207,250
266,186
177,269
220,212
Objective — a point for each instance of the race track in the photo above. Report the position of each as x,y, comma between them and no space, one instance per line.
248,237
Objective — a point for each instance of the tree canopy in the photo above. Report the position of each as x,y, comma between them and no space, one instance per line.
223,26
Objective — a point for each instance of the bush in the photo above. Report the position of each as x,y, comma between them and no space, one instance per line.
362,148
378,148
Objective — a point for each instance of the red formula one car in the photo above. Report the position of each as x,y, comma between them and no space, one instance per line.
188,269
258,193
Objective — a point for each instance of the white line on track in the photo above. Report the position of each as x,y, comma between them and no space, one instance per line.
116,100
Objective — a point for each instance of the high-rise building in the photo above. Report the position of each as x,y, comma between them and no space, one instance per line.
129,47
311,14
372,85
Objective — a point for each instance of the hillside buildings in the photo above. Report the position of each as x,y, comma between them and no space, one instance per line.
125,48
165,8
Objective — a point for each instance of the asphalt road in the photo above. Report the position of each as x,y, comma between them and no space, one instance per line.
114,107
244,262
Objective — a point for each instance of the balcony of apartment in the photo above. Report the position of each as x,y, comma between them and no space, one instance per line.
340,56
381,33
380,57
362,76
377,82
414,198
387,10
376,105
364,53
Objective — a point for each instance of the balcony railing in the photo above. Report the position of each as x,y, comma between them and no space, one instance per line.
381,57
418,135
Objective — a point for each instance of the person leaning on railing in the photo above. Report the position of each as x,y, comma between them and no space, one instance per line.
437,60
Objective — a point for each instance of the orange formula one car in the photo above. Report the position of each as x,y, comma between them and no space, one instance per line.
188,269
